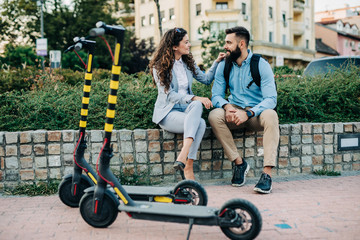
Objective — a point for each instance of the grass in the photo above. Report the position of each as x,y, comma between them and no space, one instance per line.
41,188
326,173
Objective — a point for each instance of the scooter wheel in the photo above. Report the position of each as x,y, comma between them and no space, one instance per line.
190,192
107,214
246,213
65,191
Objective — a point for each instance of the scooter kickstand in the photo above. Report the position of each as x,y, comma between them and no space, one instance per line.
191,223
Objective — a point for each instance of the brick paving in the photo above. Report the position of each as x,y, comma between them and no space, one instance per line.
299,208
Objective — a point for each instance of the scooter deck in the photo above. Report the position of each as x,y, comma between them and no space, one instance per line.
148,191
165,209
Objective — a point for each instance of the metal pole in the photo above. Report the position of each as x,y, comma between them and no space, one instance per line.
42,29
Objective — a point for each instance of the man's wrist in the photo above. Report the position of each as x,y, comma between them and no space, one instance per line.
224,106
249,114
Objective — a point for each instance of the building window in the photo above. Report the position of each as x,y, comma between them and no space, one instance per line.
284,39
151,19
217,27
162,16
346,43
307,44
359,46
243,8
221,5
198,9
270,12
271,37
284,19
171,13
142,21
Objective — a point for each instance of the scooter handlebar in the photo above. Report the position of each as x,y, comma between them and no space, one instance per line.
94,32
69,48
78,46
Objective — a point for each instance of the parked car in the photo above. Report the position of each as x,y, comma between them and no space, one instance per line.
322,66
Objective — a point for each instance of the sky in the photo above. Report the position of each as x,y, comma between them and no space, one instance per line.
323,5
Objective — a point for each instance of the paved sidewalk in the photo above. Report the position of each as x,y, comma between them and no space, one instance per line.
299,208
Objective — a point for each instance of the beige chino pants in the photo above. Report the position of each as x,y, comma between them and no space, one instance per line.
267,121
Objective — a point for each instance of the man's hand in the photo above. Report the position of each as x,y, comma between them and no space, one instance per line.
220,57
235,115
204,100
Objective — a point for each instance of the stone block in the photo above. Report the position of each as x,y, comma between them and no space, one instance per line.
40,162
125,135
154,146
285,129
26,162
260,152
306,160
156,170
126,146
328,128
96,136
317,128
356,128
39,150
140,134
306,128
54,161
26,175
153,134
284,140
283,162
337,158
295,128
11,163
318,139
11,150
154,158
68,148
339,127
306,139
329,149
141,158
54,136
307,150
295,150
317,160
239,142
54,149
2,151
140,146
205,165
318,149
11,137
205,144
249,142
2,134
206,155
356,157
356,166
249,152
347,157
329,159
25,137
54,173
328,139
295,139
68,135
38,136
168,135
348,127
128,158
284,151
295,161
25,150
169,157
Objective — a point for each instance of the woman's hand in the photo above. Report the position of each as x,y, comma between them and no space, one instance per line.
221,56
204,100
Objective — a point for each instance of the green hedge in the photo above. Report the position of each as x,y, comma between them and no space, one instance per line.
53,101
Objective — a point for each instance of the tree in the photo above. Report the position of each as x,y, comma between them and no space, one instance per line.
159,16
213,43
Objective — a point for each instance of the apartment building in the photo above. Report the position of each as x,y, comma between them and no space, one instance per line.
282,30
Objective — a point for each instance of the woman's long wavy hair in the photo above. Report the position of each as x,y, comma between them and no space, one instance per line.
164,57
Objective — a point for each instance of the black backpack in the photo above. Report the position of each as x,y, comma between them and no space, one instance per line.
254,69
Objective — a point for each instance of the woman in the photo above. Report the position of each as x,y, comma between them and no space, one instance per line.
177,109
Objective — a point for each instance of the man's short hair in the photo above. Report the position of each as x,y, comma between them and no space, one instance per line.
240,32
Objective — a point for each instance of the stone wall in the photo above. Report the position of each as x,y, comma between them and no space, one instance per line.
41,155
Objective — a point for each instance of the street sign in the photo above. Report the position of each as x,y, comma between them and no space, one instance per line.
55,59
41,46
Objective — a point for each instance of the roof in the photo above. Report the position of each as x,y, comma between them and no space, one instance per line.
323,48
345,34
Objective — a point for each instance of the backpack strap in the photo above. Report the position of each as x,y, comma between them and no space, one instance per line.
254,69
227,70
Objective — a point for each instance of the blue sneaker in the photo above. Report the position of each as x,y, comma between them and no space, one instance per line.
264,184
240,172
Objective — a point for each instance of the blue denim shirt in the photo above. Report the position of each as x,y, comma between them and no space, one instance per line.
257,98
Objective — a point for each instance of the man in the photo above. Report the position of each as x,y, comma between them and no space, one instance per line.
248,106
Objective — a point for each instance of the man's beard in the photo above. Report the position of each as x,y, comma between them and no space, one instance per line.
234,55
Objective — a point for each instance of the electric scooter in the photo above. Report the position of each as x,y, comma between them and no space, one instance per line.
72,187
99,207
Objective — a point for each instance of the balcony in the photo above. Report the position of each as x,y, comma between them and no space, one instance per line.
298,28
299,6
